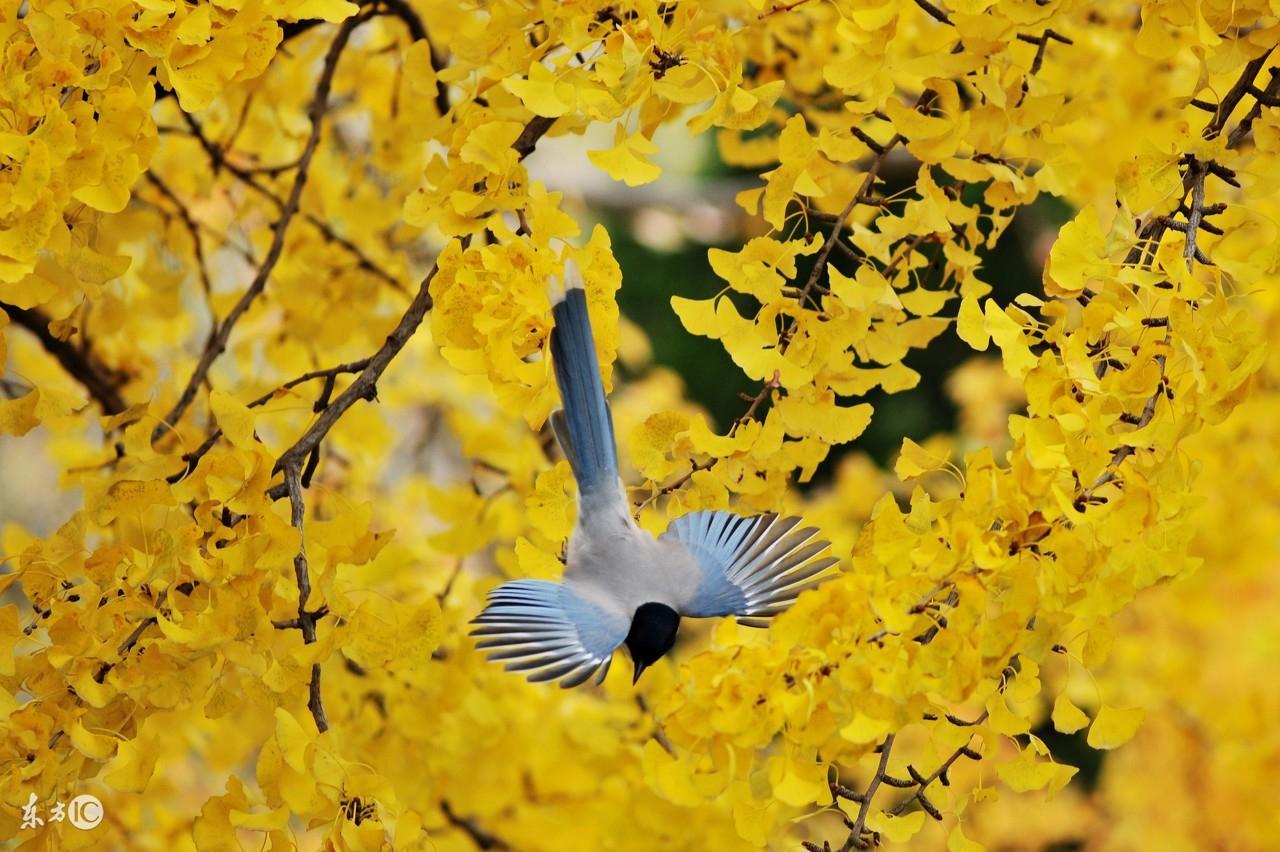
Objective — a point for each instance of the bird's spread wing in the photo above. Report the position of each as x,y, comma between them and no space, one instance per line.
751,567
548,631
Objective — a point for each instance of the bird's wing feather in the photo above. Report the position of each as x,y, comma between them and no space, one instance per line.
752,567
548,631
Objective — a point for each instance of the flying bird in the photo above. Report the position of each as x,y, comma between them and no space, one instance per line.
621,585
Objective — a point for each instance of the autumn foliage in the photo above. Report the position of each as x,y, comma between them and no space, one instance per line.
273,308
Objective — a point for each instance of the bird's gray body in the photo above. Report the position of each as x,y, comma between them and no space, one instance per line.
620,583
618,566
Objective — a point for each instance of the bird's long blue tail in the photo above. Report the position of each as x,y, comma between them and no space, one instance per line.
586,424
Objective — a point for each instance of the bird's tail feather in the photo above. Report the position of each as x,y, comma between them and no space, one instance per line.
586,427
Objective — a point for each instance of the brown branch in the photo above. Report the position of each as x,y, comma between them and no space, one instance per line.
786,7
820,263
247,176
296,623
218,340
1265,97
202,267
302,575
329,375
80,363
533,131
397,9
935,12
1194,180
659,735
1042,43
859,825
675,485
130,641
366,384
364,387
910,246
125,647
1234,95
418,32
481,838
830,241
922,782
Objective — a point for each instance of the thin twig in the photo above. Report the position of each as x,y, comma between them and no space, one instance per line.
820,263
219,161
302,575
329,374
202,268
218,341
366,384
481,838
859,825
935,12
923,782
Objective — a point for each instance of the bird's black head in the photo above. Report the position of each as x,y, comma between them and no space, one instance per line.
653,632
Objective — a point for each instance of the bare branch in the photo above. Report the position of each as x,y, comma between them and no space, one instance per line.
935,12
218,341
366,384
248,176
923,782
80,363
302,575
329,375
481,838
859,825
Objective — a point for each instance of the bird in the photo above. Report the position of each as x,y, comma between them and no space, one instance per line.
621,585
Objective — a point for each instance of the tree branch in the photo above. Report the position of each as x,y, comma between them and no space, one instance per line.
218,340
81,364
935,12
481,838
922,782
329,375
248,177
306,621
366,384
418,32
859,825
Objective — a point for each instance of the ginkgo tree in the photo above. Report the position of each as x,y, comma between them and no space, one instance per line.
273,302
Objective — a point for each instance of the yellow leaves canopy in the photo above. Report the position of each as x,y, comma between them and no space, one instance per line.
218,238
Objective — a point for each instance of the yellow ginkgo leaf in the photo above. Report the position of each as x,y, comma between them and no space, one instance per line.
925,303
1114,726
234,418
957,842
90,744
626,160
17,416
971,325
914,460
698,316
542,92
1067,717
1008,335
896,829
326,10
132,767
1025,772
1078,255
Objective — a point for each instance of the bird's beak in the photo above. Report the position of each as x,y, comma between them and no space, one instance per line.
639,670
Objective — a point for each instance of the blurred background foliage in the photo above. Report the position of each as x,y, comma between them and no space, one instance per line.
662,245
